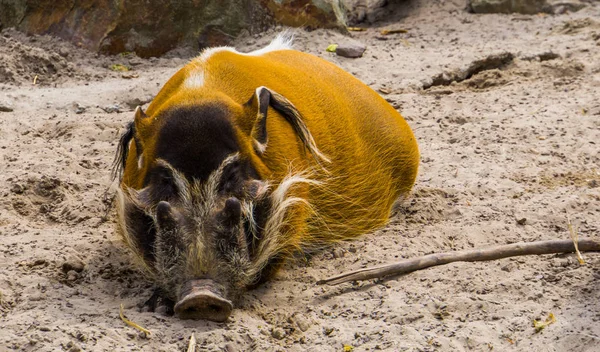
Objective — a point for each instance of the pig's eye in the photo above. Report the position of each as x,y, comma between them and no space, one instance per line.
162,184
231,180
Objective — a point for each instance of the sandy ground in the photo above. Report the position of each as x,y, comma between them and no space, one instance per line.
507,155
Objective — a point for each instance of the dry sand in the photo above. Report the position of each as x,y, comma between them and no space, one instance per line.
507,155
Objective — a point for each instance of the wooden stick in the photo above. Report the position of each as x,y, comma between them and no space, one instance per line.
192,344
475,255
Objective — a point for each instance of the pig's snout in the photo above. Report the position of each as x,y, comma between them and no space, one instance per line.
203,299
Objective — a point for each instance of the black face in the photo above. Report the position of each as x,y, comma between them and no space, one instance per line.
192,146
195,140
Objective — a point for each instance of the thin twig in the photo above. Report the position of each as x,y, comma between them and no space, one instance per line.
575,237
393,31
475,255
192,344
133,324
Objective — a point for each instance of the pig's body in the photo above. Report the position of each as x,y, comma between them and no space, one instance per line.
316,157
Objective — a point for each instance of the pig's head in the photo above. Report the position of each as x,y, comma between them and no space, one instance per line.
192,205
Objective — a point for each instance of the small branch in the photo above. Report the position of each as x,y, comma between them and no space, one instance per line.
192,344
575,238
475,255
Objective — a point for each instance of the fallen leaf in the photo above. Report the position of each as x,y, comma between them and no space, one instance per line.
331,48
393,31
119,68
541,325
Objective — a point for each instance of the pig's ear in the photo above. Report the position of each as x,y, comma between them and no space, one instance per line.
141,122
259,104
132,133
164,183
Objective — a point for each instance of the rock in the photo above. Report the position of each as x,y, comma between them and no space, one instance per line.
338,253
351,49
36,297
153,28
78,108
109,109
562,6
73,347
508,267
307,13
164,310
72,275
37,262
302,322
73,263
528,7
592,183
328,331
17,188
230,348
64,52
278,333
135,61
370,11
135,102
548,55
6,106
521,221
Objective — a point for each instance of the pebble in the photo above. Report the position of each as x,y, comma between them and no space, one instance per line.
352,49
6,106
79,109
73,347
64,52
112,108
72,275
303,323
162,310
38,261
73,264
230,348
338,253
278,333
135,102
135,61
508,267
17,188
34,297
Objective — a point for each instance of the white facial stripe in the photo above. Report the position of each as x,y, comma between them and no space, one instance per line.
216,175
